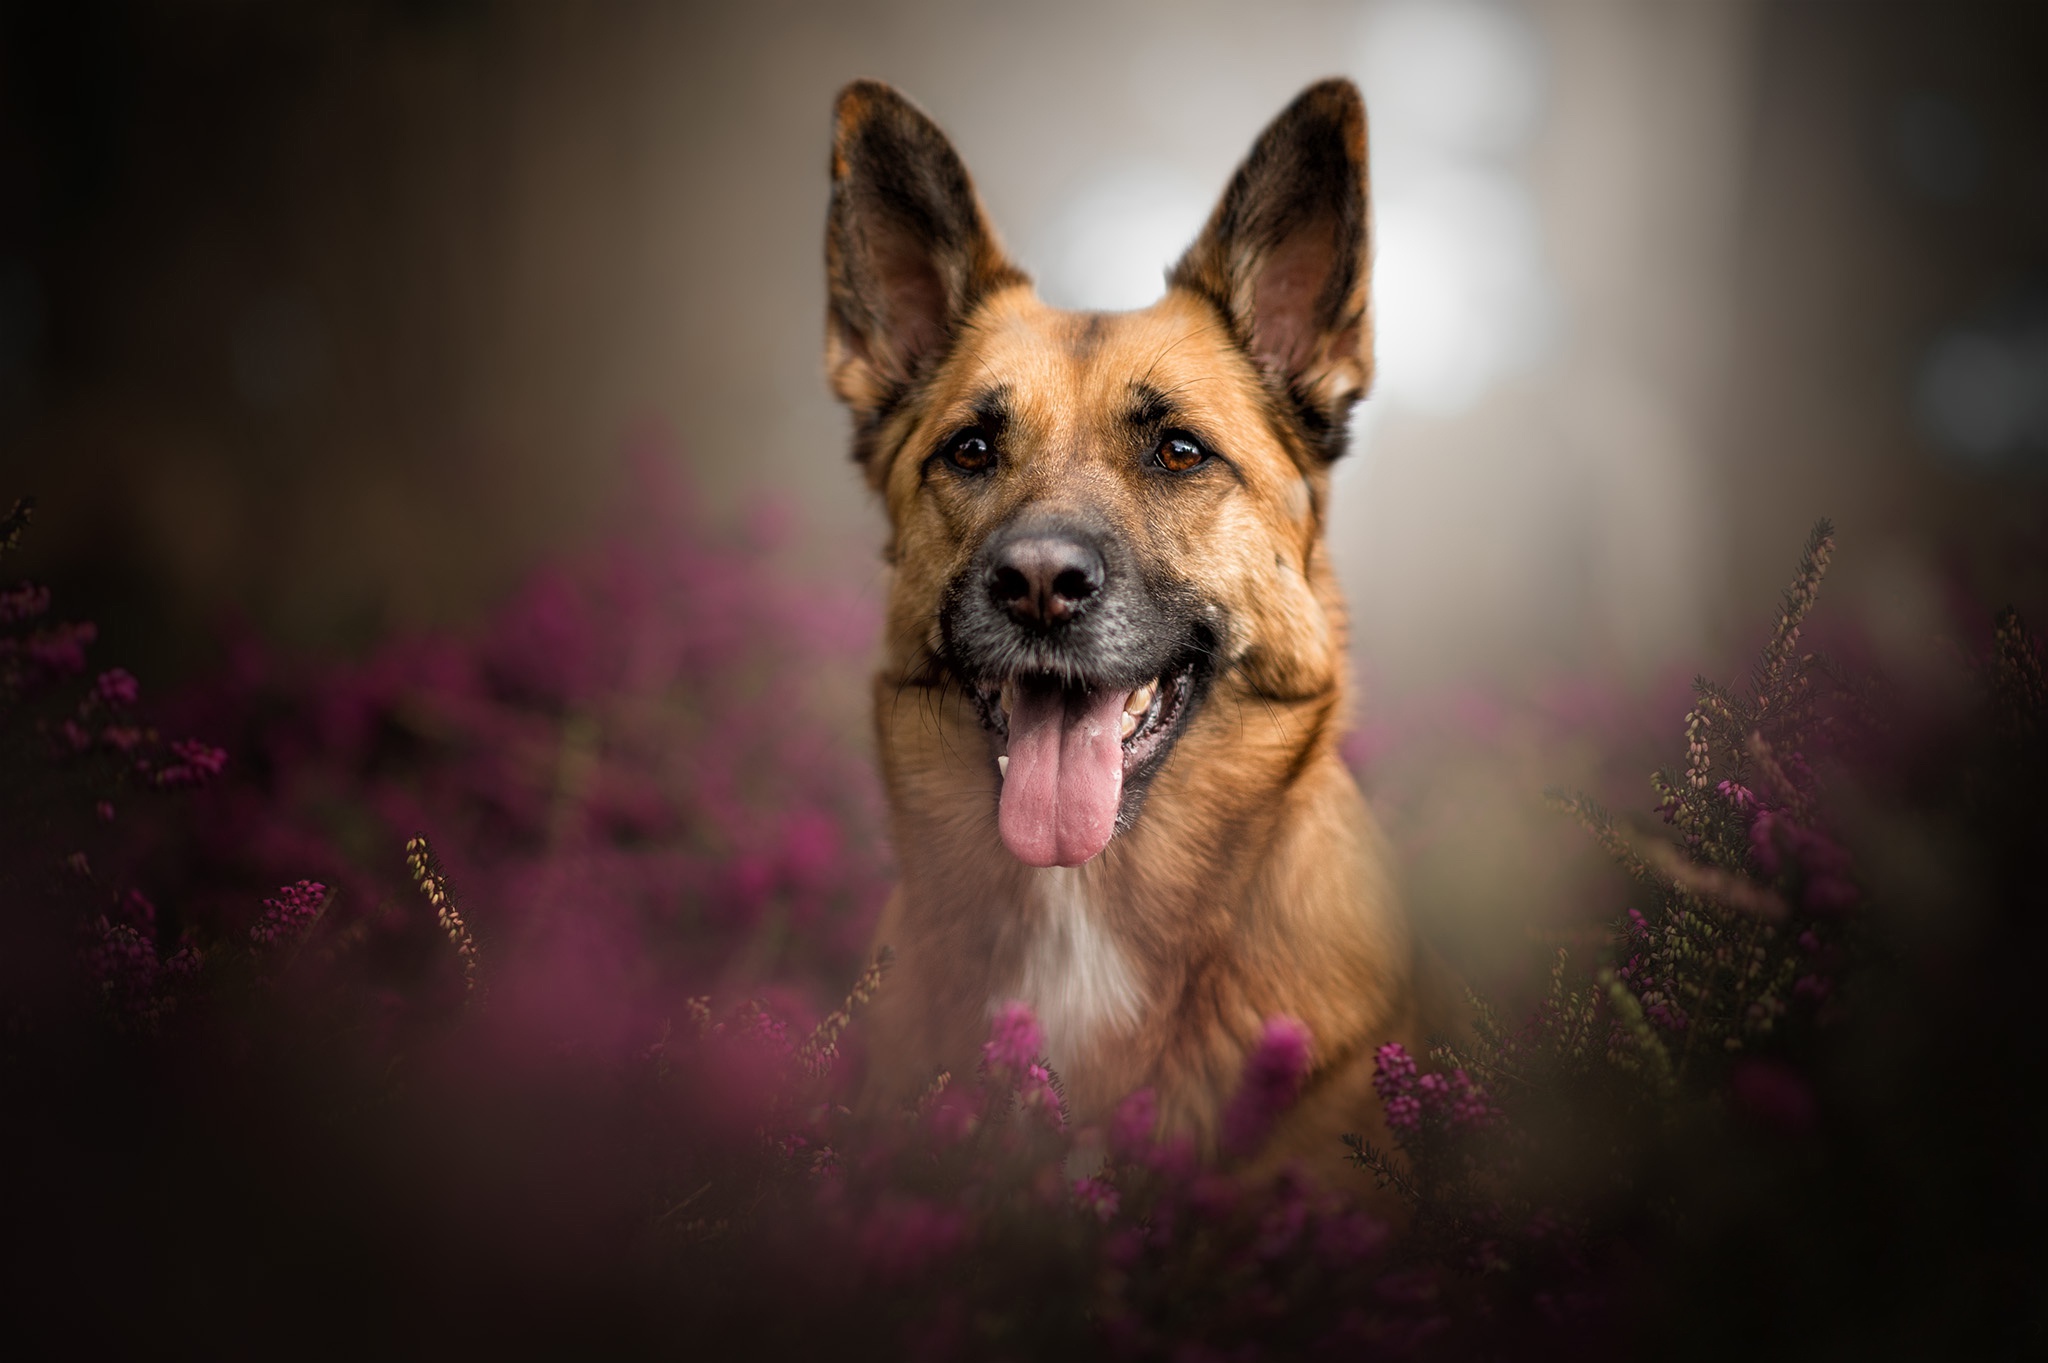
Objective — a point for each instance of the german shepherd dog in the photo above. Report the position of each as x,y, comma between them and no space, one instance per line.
1114,674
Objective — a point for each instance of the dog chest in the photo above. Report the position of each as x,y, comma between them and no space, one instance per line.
1071,969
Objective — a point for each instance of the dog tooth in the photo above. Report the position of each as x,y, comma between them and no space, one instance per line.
1003,765
1130,724
1007,698
1141,699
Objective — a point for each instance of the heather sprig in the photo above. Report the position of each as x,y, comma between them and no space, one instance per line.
15,523
433,883
820,1050
289,914
1711,959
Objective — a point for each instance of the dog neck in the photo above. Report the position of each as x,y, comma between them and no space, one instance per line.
1070,964
1157,962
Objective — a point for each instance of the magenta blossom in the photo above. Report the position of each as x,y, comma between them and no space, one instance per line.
289,913
1273,1075
1014,1038
117,686
1131,1130
1411,1098
1097,1196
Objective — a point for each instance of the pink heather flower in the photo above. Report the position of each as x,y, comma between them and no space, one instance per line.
1410,1098
1035,1090
1096,1196
197,763
25,602
291,912
1393,1071
1273,1075
1741,796
105,809
121,961
1014,1038
117,686
768,1032
1130,1131
60,649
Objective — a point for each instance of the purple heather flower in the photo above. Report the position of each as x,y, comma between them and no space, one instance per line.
764,1030
1137,1117
1096,1196
289,913
1014,1038
1741,796
1273,1074
25,602
60,649
197,763
1393,1072
117,686
1035,1091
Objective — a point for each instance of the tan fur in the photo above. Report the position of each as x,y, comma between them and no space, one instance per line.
1254,883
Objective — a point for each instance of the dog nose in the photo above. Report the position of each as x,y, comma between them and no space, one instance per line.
1045,579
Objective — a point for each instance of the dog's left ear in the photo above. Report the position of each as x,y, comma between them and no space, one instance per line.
1287,256
908,250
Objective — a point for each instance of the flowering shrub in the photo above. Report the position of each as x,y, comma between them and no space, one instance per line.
552,1017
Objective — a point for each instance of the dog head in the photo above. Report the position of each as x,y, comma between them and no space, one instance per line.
1102,524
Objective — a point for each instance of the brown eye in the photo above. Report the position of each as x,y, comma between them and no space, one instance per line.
971,453
1178,454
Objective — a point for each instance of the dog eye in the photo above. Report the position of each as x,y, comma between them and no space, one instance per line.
1178,454
970,453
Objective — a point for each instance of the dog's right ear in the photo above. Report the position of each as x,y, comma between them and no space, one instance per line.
908,251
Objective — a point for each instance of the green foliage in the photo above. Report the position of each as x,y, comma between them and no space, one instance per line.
1731,941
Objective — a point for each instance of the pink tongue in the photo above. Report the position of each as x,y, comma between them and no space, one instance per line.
1066,776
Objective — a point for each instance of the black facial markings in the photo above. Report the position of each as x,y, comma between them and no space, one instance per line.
987,418
1154,417
1089,337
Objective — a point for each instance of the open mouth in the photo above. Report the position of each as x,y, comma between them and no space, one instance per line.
1070,754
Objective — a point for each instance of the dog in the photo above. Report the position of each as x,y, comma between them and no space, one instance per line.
1113,676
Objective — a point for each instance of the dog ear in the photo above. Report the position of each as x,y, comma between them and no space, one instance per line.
1287,257
908,251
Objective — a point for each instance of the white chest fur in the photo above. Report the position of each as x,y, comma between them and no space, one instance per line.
1072,971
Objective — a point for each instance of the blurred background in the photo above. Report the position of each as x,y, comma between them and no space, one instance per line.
328,320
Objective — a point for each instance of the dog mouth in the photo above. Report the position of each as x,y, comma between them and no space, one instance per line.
1074,757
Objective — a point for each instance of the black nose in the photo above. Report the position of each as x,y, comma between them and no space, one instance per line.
1044,579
